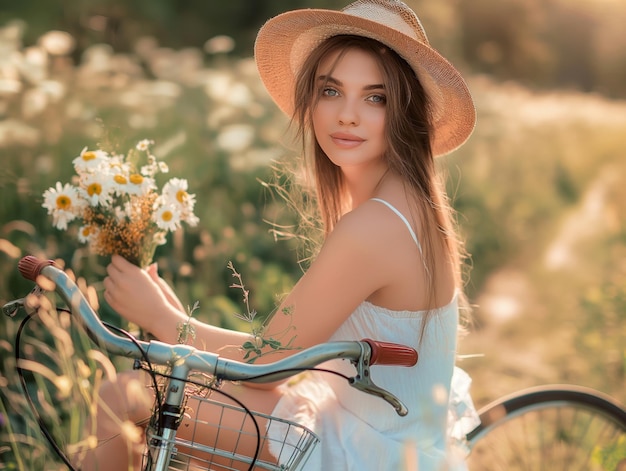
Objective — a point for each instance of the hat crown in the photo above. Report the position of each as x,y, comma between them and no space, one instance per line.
391,13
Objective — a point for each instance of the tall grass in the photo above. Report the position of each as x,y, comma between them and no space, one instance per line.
526,173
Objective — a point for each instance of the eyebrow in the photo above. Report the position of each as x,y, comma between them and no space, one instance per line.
334,81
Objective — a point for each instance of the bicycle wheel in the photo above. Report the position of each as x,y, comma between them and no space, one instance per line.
550,428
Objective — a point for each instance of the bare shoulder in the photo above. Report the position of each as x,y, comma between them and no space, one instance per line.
352,265
374,225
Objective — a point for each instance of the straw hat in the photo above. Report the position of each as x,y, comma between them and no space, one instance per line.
284,42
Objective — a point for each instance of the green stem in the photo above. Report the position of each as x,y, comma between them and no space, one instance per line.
12,442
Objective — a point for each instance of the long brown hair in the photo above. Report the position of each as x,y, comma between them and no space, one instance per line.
408,128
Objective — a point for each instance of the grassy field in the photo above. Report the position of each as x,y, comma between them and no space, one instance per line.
540,190
550,169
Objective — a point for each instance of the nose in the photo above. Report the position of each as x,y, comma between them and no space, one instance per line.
348,113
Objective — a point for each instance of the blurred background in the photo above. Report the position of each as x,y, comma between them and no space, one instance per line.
540,187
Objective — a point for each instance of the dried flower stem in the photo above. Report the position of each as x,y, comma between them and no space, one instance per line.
261,344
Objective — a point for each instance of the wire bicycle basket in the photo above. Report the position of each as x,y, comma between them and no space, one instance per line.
291,444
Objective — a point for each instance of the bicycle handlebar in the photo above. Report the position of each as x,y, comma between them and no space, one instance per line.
362,353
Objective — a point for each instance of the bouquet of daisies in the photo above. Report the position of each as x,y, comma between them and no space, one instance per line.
118,203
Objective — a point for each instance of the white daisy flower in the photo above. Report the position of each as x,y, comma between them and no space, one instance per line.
64,203
139,184
175,192
120,183
116,164
144,144
153,167
149,170
90,160
96,189
86,233
167,217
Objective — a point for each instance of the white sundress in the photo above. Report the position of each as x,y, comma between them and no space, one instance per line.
361,432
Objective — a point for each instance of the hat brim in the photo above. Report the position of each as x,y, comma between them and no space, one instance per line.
284,42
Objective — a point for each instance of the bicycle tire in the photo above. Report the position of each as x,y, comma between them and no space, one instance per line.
555,427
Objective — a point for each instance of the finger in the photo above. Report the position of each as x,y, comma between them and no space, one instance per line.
116,259
121,263
153,272
108,283
109,299
113,270
109,291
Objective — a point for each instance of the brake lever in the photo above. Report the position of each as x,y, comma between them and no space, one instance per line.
363,382
10,309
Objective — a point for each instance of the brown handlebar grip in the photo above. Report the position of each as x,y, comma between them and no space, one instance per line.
387,353
30,266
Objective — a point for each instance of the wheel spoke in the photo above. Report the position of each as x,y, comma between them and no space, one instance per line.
550,429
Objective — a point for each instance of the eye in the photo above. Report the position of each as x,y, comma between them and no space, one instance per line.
328,91
378,99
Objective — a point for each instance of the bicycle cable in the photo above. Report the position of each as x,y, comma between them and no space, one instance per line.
232,398
242,405
301,370
31,403
20,373
144,354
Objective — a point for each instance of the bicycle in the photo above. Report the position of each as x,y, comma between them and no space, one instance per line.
165,450
549,427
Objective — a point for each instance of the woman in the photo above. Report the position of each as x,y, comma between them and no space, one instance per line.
374,104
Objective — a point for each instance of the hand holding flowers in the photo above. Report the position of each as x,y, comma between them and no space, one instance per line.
118,203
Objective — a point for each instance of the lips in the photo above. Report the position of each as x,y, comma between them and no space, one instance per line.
346,140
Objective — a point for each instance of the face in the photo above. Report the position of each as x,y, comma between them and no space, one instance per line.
349,119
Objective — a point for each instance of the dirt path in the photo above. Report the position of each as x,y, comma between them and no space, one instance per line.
508,348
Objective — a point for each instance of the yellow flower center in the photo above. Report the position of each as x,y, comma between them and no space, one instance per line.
181,196
167,216
94,189
121,179
136,179
64,202
86,231
89,155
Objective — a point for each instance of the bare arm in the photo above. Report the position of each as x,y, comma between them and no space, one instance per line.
165,288
353,264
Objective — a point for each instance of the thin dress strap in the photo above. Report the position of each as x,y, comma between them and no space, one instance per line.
406,222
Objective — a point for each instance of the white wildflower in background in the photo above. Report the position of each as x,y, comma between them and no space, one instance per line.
219,44
57,43
119,205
